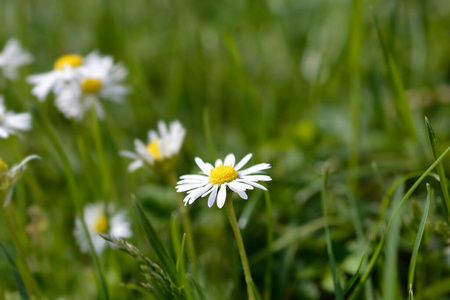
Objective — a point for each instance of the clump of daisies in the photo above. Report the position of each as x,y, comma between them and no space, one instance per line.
9,176
12,58
215,181
160,150
101,219
79,83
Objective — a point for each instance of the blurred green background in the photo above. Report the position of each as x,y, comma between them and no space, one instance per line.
300,84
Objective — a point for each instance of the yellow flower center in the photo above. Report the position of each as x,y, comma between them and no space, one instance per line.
102,224
91,85
153,149
73,60
3,166
222,174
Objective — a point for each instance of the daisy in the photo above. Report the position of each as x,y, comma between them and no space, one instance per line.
99,218
11,123
65,70
214,180
160,147
98,78
9,176
12,57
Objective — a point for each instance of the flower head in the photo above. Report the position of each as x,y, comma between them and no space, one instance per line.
11,123
97,78
99,218
66,69
160,148
214,180
9,176
12,57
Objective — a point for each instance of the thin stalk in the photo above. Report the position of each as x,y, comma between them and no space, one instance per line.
187,227
269,264
240,244
105,174
74,194
28,276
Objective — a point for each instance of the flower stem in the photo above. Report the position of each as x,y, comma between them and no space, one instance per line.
27,275
187,227
240,244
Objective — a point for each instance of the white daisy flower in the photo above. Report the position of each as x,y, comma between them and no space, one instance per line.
65,71
160,147
10,122
214,180
12,57
98,78
99,218
9,176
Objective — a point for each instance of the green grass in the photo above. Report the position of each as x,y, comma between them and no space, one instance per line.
301,85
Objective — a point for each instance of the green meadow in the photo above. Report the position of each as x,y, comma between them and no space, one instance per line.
347,100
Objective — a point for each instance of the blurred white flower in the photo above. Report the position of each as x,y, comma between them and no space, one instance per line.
9,176
12,58
160,147
65,71
214,180
98,78
10,122
99,218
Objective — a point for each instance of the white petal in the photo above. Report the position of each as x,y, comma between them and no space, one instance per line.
221,197
187,187
254,169
202,191
240,186
243,162
205,167
193,176
212,197
128,154
135,165
218,163
240,192
257,185
257,177
229,160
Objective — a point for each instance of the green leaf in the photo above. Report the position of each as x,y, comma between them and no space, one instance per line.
400,101
390,272
380,245
166,261
269,248
17,277
353,279
440,168
412,264
337,284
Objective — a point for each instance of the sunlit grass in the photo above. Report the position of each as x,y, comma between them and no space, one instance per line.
303,85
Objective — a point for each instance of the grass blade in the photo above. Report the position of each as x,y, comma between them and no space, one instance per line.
166,261
50,132
108,188
390,272
353,279
269,249
17,277
400,101
412,264
440,168
380,245
180,259
337,284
